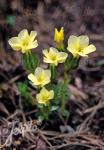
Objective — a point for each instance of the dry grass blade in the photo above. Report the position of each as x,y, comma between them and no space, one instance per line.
4,109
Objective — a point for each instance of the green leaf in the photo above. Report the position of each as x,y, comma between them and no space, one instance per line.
41,118
34,61
100,63
26,95
58,89
22,86
66,113
10,19
62,90
72,63
53,108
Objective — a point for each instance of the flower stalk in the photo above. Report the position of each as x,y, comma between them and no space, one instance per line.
53,72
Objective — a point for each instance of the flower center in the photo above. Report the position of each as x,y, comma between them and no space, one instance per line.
40,78
25,43
80,49
53,57
46,97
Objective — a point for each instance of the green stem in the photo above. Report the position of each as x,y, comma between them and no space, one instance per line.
60,46
45,111
72,63
53,74
38,88
63,103
65,86
68,66
30,61
65,83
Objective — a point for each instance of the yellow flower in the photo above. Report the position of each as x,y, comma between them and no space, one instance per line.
59,35
24,42
53,56
41,77
79,46
45,96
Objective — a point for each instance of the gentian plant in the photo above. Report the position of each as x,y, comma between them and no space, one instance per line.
51,92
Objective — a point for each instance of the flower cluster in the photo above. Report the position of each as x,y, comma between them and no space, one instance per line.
40,78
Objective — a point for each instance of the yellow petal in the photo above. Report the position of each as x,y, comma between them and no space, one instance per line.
38,71
83,41
73,41
46,53
32,78
91,48
73,45
72,50
46,60
56,34
82,54
47,73
46,81
56,31
51,94
62,57
23,34
15,43
33,35
43,90
39,99
62,31
53,51
32,45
